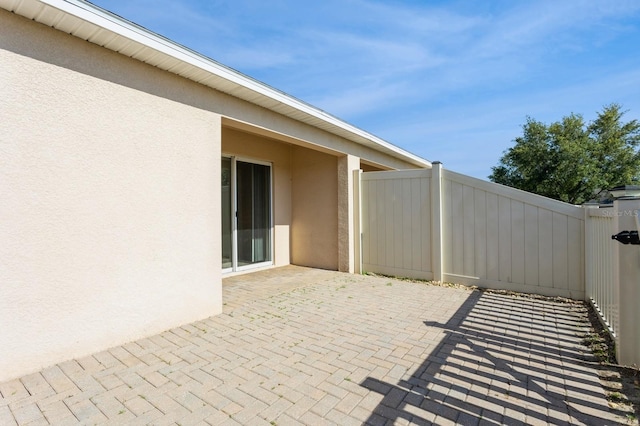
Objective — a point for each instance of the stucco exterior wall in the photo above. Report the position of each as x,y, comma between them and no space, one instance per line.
305,198
110,213
314,229
253,147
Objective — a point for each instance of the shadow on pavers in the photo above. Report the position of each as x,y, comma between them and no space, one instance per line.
505,359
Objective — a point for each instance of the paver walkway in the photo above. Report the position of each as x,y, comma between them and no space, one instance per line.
304,346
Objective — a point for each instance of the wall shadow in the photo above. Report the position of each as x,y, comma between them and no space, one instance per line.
503,360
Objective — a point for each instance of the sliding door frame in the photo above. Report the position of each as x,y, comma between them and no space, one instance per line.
234,215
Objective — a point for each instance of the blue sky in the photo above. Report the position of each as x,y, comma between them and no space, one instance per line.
449,81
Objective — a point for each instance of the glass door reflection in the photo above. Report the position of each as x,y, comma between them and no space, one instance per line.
246,214
227,225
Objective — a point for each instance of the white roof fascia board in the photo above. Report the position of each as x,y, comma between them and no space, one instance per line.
92,14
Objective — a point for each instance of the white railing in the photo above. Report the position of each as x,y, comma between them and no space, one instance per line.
602,265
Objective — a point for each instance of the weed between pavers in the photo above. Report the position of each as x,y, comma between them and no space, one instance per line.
621,384
617,397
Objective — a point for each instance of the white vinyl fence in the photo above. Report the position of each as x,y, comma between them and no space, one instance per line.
500,237
441,225
396,223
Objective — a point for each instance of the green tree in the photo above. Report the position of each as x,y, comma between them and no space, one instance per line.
571,160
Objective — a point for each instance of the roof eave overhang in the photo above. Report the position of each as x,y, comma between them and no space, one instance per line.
93,24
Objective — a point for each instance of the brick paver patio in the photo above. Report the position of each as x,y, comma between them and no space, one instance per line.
304,346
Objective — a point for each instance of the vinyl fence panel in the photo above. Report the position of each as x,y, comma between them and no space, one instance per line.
491,236
397,223
503,238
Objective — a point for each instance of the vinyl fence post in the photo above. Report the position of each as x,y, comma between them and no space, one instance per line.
357,219
436,220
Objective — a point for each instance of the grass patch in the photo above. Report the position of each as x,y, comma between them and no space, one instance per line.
617,397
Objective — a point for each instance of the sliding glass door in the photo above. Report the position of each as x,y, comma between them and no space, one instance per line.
246,214
254,213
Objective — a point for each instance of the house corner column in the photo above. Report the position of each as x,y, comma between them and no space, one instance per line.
346,211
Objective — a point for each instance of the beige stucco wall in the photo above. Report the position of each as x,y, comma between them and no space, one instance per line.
314,230
305,198
110,214
253,147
